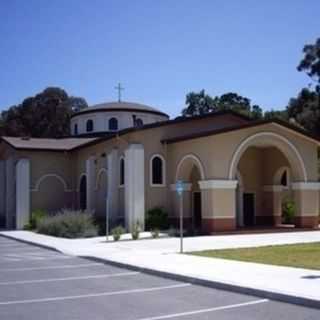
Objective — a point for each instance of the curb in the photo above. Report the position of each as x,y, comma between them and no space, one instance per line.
282,297
43,246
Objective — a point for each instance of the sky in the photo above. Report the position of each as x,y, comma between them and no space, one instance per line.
158,50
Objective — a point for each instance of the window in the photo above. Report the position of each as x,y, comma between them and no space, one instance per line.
113,124
139,122
90,125
122,172
157,171
284,179
75,130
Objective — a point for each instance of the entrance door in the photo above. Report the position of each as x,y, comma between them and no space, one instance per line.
248,209
197,210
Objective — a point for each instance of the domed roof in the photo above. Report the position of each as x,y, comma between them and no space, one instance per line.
121,106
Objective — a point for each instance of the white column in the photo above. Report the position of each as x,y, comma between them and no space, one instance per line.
91,174
113,183
2,190
22,193
134,185
10,193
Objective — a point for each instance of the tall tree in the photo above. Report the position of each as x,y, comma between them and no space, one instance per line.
202,103
45,115
311,63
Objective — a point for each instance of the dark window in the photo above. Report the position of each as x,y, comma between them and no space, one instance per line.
83,193
139,122
121,172
113,124
76,129
90,125
157,170
284,179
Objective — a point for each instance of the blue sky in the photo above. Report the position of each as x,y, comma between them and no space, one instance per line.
158,50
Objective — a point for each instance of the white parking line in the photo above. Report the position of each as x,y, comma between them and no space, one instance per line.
112,275
66,266
189,313
93,295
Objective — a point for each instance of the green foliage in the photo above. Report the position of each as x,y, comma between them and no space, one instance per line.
157,218
201,103
68,224
46,115
135,233
117,232
288,211
36,217
155,233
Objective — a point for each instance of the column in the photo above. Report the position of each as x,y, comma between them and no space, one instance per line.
10,193
113,183
272,205
134,186
91,176
306,199
218,200
22,193
2,192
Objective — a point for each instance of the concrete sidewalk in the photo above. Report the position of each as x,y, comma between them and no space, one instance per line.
293,285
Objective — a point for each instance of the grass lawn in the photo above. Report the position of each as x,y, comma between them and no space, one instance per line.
293,255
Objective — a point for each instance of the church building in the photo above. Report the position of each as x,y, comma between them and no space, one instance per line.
236,171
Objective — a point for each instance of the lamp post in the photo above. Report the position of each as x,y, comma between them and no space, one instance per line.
107,217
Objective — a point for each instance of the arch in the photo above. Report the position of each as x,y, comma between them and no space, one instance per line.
102,171
152,170
276,140
113,124
89,125
193,158
83,192
51,175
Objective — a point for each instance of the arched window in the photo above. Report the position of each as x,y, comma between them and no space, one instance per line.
157,171
284,178
122,172
75,130
139,122
113,124
90,125
83,193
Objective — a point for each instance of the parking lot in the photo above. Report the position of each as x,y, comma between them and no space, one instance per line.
36,283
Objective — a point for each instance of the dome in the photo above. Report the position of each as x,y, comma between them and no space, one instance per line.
122,106
113,116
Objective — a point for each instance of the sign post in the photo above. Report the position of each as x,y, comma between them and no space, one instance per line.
179,188
107,218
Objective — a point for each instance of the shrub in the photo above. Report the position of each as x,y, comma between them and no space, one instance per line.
117,233
35,218
288,211
68,224
155,233
135,233
157,218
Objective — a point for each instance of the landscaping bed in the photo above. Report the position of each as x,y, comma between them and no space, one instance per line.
306,255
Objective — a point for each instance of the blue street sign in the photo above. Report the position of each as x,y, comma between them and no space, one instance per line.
179,187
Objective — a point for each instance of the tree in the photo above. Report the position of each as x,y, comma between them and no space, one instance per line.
311,63
304,109
276,114
45,115
202,103
198,104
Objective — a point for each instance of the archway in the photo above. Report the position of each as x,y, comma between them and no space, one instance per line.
190,171
101,193
83,192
